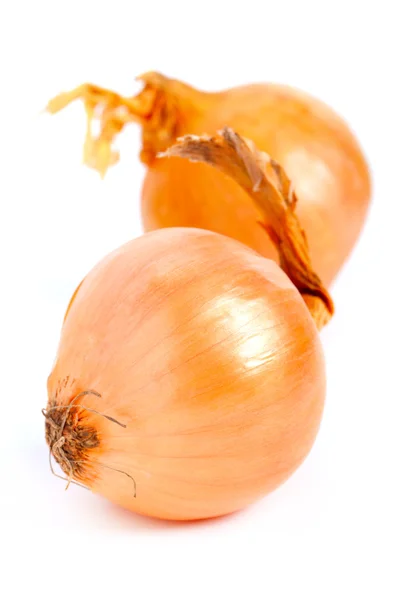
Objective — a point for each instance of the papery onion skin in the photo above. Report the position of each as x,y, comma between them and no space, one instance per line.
208,354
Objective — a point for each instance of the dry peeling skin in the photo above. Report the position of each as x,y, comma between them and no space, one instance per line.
266,183
313,145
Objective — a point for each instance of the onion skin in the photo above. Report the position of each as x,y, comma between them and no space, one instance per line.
309,140
207,353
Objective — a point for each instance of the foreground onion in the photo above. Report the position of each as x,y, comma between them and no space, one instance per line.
312,144
189,379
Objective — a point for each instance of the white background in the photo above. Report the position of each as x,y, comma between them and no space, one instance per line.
332,531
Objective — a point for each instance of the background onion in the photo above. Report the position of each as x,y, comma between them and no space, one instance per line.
308,139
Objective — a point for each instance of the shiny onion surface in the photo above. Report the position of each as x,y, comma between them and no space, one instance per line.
189,379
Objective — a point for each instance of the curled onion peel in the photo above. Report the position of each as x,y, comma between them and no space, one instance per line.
189,379
307,138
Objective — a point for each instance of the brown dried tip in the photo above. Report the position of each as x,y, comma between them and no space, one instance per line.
72,440
268,185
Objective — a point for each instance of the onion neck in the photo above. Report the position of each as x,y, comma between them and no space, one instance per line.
163,108
268,185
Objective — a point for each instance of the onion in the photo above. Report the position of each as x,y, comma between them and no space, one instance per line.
313,145
189,379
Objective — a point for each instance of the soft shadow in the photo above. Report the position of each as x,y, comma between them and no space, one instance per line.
134,521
